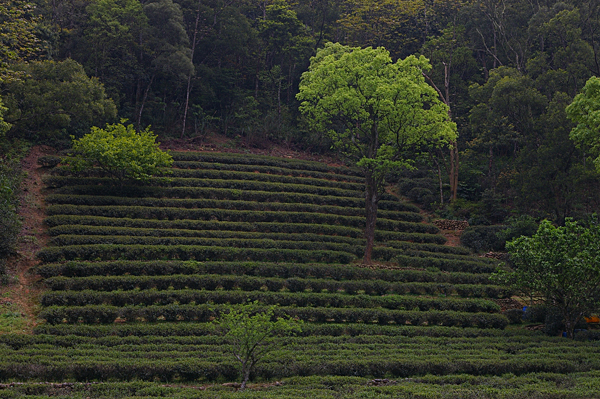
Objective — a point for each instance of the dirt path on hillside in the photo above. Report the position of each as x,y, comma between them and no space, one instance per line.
23,291
452,236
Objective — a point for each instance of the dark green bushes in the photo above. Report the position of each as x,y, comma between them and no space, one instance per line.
336,272
482,238
66,200
182,195
246,159
232,175
10,181
190,226
204,313
450,265
273,170
165,296
189,252
293,284
139,212
74,240
61,181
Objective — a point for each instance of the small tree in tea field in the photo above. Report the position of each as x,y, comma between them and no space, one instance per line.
121,152
560,266
253,333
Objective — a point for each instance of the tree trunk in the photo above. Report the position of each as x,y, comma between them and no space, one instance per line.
454,171
439,170
445,97
371,200
189,82
139,116
571,318
245,377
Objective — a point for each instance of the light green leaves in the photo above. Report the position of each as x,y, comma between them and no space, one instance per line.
585,111
370,106
4,126
252,332
560,266
120,151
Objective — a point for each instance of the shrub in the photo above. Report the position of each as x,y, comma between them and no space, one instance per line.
514,316
482,238
518,226
120,151
10,180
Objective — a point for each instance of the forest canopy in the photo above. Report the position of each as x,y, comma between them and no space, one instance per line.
505,70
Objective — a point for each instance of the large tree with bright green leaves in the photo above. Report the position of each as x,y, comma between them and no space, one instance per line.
585,111
374,110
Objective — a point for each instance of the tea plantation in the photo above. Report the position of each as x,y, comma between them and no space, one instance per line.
136,274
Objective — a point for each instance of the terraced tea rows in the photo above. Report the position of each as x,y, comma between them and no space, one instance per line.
136,274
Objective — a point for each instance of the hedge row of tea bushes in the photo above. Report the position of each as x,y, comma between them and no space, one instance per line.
273,284
173,330
527,386
234,175
233,215
271,251
247,159
179,204
300,299
263,227
183,195
272,170
91,314
190,252
206,359
337,272
86,230
137,273
61,181
252,241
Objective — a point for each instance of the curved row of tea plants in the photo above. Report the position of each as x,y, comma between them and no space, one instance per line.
137,273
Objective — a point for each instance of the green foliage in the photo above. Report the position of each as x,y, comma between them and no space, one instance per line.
518,226
585,111
373,109
10,181
561,266
19,40
252,333
54,99
120,151
4,126
483,238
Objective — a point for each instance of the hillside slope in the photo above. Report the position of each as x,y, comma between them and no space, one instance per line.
135,275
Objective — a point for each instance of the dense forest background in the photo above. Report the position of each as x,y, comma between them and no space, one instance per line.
192,68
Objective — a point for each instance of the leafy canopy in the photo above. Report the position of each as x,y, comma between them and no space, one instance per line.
559,266
585,111
253,333
4,126
120,151
52,100
371,107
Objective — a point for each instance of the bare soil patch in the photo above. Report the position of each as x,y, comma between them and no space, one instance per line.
508,303
217,143
23,291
